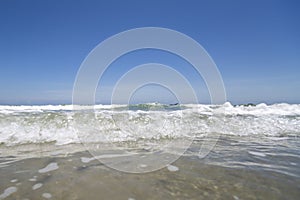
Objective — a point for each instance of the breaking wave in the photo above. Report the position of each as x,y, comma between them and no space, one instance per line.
61,124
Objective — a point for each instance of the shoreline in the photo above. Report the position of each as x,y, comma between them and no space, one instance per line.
59,174
74,179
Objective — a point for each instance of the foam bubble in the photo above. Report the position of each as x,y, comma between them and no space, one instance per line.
7,192
50,167
255,153
87,160
143,165
32,179
37,186
172,168
46,195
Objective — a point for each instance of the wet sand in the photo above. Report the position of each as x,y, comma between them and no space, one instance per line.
75,176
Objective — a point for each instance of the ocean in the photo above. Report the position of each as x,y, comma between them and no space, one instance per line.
150,151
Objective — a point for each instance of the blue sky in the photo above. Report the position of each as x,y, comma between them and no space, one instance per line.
255,45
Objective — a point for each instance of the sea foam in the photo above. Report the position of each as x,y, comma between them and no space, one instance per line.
62,124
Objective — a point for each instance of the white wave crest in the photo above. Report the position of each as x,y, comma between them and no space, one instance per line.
60,125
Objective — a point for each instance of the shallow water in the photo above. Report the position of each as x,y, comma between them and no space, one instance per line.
228,152
237,168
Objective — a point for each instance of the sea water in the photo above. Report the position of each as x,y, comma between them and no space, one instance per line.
255,153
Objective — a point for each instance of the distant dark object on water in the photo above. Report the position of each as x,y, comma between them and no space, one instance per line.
247,105
174,104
